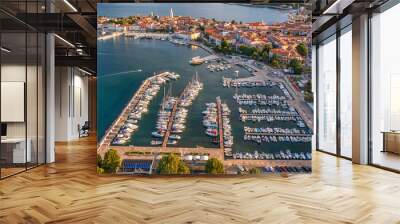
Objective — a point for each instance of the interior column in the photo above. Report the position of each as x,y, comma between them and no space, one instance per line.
360,90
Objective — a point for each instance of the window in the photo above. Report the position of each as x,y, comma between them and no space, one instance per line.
327,95
385,88
346,92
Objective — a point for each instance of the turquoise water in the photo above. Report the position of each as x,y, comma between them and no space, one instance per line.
118,63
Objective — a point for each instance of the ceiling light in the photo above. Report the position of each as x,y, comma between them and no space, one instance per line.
64,40
70,5
5,50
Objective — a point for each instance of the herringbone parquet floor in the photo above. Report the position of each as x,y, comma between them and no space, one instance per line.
69,191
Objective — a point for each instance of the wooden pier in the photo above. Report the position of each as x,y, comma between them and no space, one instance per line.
112,132
172,116
170,123
220,124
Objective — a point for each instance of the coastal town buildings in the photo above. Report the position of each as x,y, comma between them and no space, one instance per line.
283,37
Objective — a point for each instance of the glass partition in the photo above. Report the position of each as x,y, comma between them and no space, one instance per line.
22,77
327,95
13,95
31,98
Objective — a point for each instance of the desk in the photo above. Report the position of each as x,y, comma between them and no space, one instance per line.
13,150
391,141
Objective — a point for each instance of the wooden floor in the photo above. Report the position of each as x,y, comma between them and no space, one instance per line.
387,159
70,191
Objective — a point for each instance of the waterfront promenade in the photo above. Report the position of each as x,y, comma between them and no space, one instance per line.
139,35
123,151
109,36
138,153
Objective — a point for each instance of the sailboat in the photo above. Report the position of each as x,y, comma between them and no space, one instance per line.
197,82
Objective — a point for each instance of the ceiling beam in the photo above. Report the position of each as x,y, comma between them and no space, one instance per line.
79,61
89,30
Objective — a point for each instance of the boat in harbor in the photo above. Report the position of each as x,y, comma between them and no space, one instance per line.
174,137
176,130
132,121
157,134
212,132
196,61
210,124
172,142
156,142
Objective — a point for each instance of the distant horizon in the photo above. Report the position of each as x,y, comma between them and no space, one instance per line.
239,13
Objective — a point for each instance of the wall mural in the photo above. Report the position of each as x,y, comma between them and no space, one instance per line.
204,88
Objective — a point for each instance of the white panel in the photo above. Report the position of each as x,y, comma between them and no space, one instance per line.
395,102
12,101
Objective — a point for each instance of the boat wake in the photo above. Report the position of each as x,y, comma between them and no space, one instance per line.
122,73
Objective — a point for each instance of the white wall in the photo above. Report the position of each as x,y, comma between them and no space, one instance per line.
71,102
17,73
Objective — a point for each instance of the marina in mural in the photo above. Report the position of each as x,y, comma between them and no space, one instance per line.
203,90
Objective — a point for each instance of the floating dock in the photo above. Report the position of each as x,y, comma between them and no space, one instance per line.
220,124
172,116
170,123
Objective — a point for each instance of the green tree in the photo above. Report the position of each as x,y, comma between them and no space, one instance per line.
249,51
255,55
302,49
100,170
172,164
224,44
266,49
214,166
308,95
225,47
307,87
99,162
275,61
111,161
296,65
183,168
202,28
255,170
